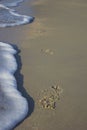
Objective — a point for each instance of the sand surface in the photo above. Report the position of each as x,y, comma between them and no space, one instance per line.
53,51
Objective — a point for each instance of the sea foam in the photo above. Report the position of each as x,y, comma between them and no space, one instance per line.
13,106
8,17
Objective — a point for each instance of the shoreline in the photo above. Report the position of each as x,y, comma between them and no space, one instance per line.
53,50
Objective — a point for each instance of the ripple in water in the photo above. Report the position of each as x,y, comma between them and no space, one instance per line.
13,107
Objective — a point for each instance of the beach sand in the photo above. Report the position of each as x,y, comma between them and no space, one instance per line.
53,51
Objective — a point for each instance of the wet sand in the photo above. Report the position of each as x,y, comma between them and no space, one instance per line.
61,27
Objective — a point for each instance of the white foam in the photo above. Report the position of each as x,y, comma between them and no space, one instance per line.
7,62
13,107
7,48
8,17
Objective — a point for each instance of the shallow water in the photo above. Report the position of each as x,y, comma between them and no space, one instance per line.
60,26
11,3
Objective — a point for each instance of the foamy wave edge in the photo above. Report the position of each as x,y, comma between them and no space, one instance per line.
25,19
13,106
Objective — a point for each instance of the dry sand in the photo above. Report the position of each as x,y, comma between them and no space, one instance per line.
53,50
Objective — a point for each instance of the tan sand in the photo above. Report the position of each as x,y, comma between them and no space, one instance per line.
54,50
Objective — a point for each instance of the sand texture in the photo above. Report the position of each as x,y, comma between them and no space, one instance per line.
53,51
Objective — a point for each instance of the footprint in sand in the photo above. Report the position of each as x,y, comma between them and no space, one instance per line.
47,51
